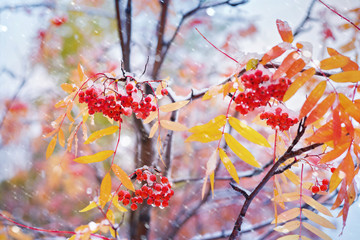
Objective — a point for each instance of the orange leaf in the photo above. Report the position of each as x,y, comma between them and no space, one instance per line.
349,76
298,83
337,125
338,150
123,177
296,67
313,98
337,61
349,106
286,64
285,31
51,147
348,67
321,109
81,73
323,134
347,166
273,53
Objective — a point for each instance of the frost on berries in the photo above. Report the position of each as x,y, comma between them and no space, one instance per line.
260,88
152,190
113,102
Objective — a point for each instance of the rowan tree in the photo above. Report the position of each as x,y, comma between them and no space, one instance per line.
125,151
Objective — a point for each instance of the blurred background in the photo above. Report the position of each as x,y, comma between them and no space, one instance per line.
41,44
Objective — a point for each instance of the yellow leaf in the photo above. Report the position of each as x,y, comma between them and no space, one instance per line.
212,182
173,126
298,83
320,110
214,123
248,132
51,147
173,106
153,129
205,137
285,31
241,151
349,76
81,73
252,64
68,111
336,61
290,237
60,104
317,219
228,165
115,202
123,177
287,197
105,190
315,204
316,231
213,91
313,98
61,138
350,107
110,216
288,215
89,207
69,88
210,168
97,157
101,133
292,177
151,117
288,227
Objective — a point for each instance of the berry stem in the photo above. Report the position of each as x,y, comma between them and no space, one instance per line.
215,46
47,230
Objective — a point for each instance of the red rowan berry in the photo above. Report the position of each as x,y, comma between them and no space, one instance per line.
164,92
126,201
332,169
148,99
323,188
164,180
134,206
315,189
127,195
129,87
150,201
157,187
152,178
165,203
325,181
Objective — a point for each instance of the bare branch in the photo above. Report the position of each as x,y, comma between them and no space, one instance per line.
241,190
307,18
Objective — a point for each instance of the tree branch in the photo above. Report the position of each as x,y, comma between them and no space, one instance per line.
288,154
119,24
300,28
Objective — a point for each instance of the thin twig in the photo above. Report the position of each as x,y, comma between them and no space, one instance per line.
300,28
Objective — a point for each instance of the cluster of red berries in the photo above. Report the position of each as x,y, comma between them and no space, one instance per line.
115,104
259,89
323,187
279,120
155,191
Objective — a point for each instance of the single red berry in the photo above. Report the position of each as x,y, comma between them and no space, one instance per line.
164,92
126,201
152,178
129,87
332,169
127,195
323,188
158,187
164,180
325,181
134,206
148,99
150,201
165,203
315,189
